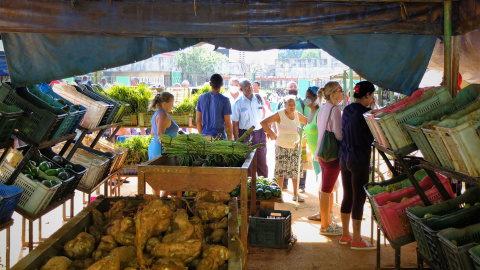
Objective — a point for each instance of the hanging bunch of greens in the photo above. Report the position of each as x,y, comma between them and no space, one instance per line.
137,149
195,150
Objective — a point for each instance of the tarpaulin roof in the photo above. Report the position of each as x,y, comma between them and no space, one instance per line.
388,43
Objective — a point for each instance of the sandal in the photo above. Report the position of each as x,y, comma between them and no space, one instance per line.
300,199
362,245
332,229
345,240
315,216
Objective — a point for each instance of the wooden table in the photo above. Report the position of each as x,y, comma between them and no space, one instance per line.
7,226
31,218
162,173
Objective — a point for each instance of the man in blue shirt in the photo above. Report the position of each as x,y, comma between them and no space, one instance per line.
213,111
247,112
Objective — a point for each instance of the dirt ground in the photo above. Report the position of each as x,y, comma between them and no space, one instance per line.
311,251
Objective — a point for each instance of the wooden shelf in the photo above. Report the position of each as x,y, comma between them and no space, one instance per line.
44,144
100,127
33,217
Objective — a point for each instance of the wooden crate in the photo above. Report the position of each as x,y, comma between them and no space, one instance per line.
53,246
163,173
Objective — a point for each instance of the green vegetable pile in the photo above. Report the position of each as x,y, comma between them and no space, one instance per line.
377,189
45,173
138,97
195,150
137,149
265,189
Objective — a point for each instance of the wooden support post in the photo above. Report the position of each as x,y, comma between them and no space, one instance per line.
447,46
345,87
455,64
380,97
350,75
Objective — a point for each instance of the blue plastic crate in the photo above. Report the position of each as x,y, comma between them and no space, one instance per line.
9,197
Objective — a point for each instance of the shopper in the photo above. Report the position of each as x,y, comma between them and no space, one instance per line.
292,89
354,153
162,123
233,93
213,111
248,112
311,132
286,151
330,114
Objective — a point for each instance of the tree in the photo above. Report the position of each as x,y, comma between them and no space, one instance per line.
198,62
284,54
311,54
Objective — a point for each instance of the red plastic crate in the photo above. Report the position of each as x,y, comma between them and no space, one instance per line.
393,216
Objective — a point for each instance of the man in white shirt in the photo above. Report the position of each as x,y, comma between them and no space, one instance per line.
233,92
247,112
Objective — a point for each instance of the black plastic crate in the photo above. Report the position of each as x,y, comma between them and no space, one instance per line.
269,232
9,117
9,197
37,124
112,109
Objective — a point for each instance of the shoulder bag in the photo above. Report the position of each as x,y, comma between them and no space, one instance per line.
329,146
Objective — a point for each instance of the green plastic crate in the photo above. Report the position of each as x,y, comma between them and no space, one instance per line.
392,123
475,255
468,96
416,216
456,243
37,124
9,117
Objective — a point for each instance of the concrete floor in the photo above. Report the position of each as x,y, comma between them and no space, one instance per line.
312,251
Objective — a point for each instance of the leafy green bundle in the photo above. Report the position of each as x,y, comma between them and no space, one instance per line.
137,149
138,97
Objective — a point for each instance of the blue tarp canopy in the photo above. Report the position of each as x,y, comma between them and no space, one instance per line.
392,61
387,43
3,65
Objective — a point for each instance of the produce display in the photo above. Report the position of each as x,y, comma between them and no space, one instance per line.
377,189
45,173
138,97
156,234
137,149
188,105
265,189
196,150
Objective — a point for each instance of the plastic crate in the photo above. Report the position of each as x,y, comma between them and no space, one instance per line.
109,155
123,105
394,195
437,145
416,216
106,146
46,89
9,197
375,129
37,124
145,119
47,103
392,123
458,219
457,252
96,166
130,120
88,91
110,111
461,139
267,232
35,196
181,119
77,170
9,117
475,255
95,109
413,126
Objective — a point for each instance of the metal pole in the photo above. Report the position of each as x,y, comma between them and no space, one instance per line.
380,97
455,64
345,87
447,46
350,74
